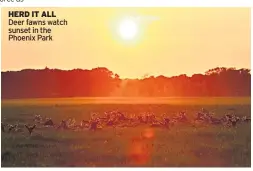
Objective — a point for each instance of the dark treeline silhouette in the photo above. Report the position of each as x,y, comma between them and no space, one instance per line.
101,82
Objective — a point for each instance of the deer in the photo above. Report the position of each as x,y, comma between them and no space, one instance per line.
30,128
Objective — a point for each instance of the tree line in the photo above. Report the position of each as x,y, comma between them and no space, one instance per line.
101,82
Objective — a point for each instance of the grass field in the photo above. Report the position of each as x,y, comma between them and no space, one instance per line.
183,145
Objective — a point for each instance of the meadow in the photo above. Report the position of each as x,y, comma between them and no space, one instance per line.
183,145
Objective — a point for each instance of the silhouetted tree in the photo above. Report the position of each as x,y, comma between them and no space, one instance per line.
29,83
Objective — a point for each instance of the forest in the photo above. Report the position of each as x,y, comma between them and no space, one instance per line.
101,82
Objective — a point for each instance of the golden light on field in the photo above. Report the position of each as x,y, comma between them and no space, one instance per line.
128,29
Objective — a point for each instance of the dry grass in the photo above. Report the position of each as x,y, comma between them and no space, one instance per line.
183,145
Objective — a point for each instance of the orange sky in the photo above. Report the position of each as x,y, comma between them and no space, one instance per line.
170,41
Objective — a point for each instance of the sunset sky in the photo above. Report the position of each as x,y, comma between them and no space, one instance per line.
168,41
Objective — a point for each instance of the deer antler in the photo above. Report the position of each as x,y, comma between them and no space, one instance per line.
11,128
30,128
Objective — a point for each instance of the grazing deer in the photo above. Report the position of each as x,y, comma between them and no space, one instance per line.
200,116
182,117
166,121
234,122
148,118
94,125
228,116
215,121
12,127
110,123
37,118
49,122
245,119
238,119
47,119
152,118
173,122
71,122
224,119
63,125
30,128
121,116
84,123
204,110
141,120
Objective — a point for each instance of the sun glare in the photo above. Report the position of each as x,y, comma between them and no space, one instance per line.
128,29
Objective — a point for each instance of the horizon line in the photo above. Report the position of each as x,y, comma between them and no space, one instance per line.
141,77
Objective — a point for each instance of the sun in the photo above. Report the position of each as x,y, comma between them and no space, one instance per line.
128,29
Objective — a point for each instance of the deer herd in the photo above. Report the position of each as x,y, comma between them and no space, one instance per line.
119,119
